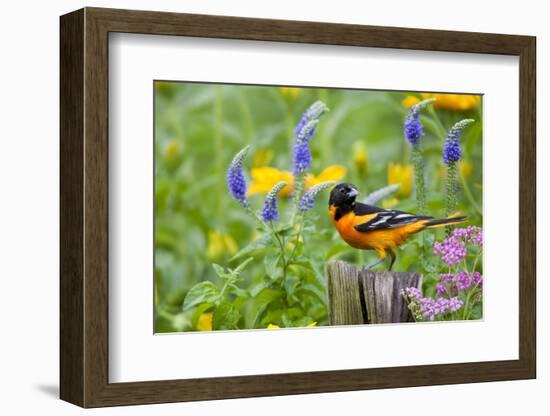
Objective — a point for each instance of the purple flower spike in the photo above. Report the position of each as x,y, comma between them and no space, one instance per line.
314,112
270,211
302,153
451,149
308,199
304,131
235,177
412,128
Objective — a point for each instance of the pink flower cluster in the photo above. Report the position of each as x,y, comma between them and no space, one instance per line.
458,282
451,288
453,249
470,234
429,308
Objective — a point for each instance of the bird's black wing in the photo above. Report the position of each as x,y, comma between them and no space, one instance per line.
383,218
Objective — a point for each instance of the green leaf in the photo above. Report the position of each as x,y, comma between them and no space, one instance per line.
237,291
476,312
241,266
287,323
430,279
429,266
313,291
260,302
313,266
273,316
287,231
225,317
270,263
261,243
203,292
303,322
220,271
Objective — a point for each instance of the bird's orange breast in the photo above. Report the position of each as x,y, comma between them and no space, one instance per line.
371,240
346,228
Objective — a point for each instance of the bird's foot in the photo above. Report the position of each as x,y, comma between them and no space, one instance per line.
376,263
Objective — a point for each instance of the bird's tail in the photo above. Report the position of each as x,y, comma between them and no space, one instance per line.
451,219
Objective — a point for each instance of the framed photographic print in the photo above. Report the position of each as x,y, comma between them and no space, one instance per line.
257,207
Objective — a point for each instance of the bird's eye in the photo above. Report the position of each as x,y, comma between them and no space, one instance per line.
342,191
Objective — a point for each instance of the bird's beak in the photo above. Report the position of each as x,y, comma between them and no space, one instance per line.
352,193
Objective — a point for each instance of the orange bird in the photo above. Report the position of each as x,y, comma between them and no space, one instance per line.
367,227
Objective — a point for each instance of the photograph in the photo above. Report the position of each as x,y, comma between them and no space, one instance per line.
262,193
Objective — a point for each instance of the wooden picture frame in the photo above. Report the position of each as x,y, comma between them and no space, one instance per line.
84,207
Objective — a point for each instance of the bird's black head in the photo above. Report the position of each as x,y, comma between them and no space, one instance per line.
343,196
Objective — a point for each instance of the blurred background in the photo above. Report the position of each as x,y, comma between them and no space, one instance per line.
200,127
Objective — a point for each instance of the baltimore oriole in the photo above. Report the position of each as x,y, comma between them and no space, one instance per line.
367,227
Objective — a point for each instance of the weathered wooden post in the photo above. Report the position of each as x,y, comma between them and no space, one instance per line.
360,296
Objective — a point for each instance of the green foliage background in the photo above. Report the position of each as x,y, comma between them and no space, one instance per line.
200,127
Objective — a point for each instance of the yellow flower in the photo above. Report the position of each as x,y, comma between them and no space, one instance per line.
457,102
171,149
264,178
409,101
230,244
402,175
465,168
360,157
290,91
219,244
273,326
332,173
262,157
204,323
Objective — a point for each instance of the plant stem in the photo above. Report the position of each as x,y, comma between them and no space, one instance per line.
476,260
298,192
450,201
466,314
470,311
418,163
298,235
261,224
276,237
420,187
